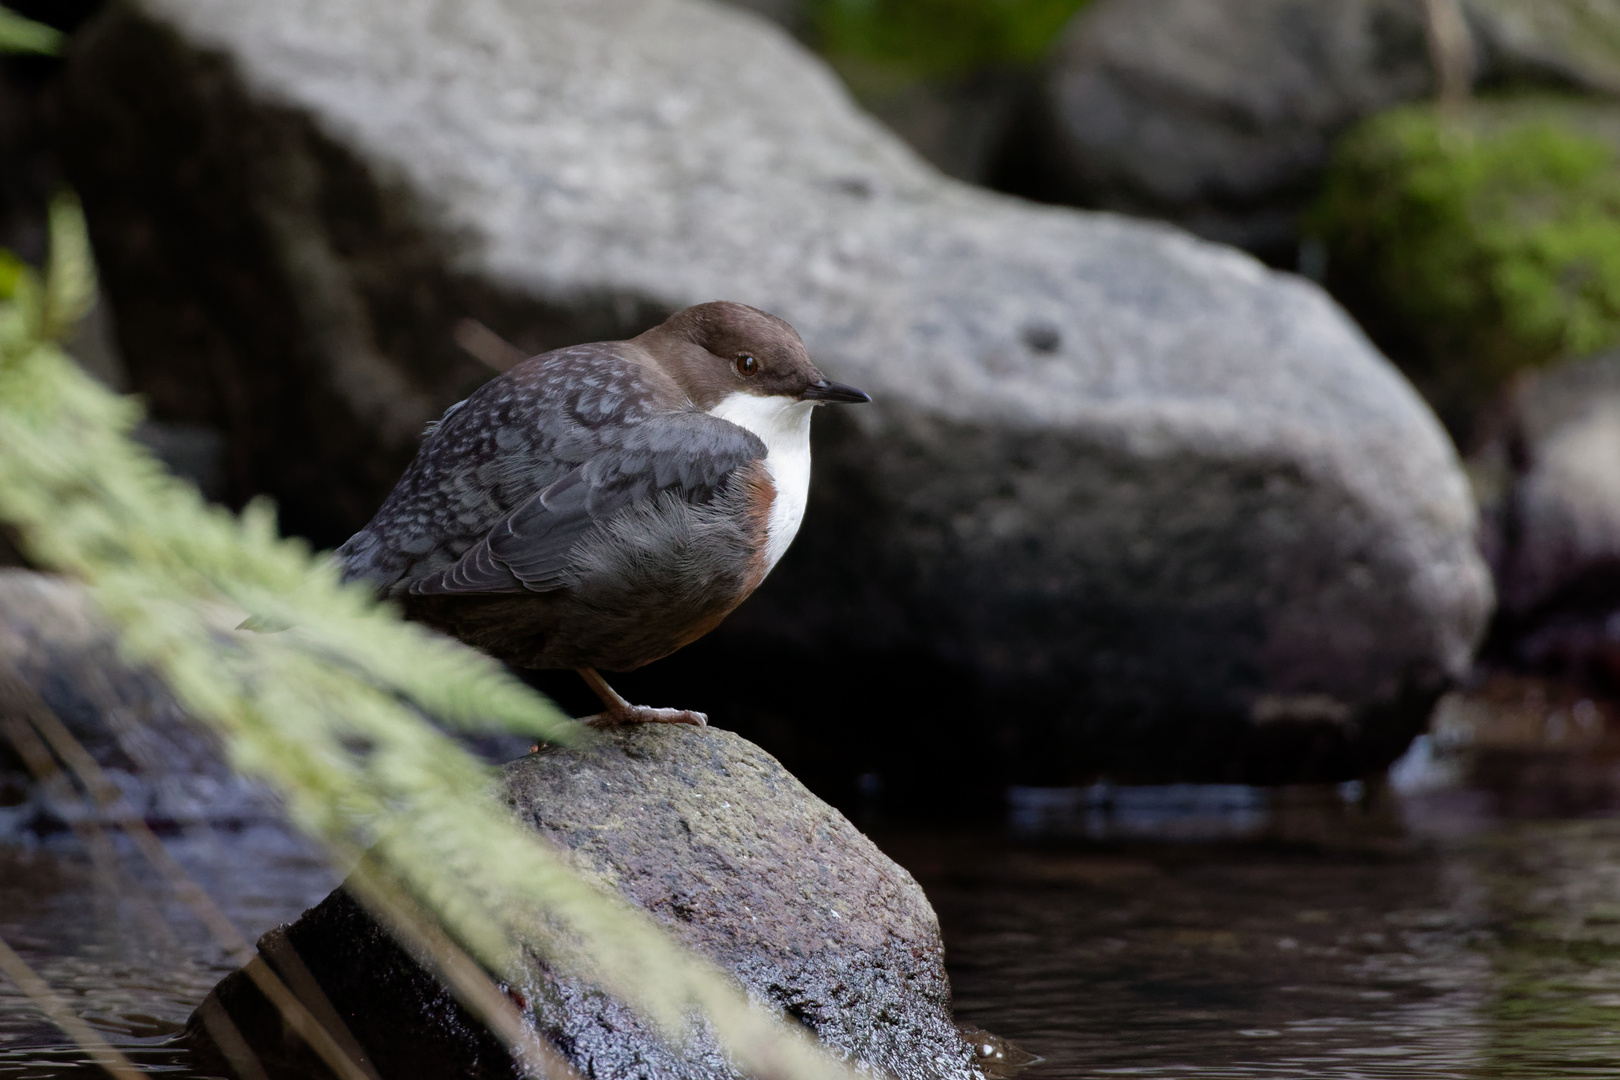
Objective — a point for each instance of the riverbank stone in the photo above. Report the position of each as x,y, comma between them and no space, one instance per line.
1125,503
717,842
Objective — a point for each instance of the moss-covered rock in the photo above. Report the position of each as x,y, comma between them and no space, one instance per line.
1476,244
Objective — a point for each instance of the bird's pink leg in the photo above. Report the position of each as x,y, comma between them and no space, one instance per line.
620,711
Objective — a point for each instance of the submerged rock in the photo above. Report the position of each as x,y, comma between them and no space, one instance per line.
714,839
1125,502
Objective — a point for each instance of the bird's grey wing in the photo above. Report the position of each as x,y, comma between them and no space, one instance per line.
689,453
489,455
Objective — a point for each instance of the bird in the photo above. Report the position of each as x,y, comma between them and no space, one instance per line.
599,506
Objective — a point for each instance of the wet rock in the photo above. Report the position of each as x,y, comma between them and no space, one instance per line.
169,771
1126,501
709,835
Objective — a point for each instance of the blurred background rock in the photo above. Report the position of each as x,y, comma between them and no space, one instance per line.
1129,505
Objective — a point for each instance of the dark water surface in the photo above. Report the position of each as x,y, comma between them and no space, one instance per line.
109,938
1463,923
1484,955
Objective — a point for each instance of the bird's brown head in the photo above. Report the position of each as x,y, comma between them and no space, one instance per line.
723,348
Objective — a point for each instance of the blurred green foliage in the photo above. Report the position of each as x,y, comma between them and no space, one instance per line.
20,35
1481,242
926,38
11,273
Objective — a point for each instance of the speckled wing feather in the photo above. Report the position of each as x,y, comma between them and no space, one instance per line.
529,550
512,478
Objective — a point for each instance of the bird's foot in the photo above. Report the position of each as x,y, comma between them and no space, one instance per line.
620,712
644,714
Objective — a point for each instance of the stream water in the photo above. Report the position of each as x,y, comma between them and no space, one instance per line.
1462,922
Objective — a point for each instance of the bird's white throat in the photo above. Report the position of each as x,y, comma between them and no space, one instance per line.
784,426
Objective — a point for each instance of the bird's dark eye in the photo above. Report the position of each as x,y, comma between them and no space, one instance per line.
746,365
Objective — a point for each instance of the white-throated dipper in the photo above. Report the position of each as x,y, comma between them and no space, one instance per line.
600,506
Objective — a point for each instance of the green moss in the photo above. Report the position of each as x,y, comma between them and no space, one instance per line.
940,37
1481,243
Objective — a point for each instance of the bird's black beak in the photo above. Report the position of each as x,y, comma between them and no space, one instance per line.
822,390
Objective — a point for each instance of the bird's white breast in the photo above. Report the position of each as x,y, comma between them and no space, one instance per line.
784,426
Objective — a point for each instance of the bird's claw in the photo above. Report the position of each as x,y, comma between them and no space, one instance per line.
644,714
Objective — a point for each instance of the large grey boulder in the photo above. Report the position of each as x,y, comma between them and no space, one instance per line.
709,835
1130,501
1220,115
